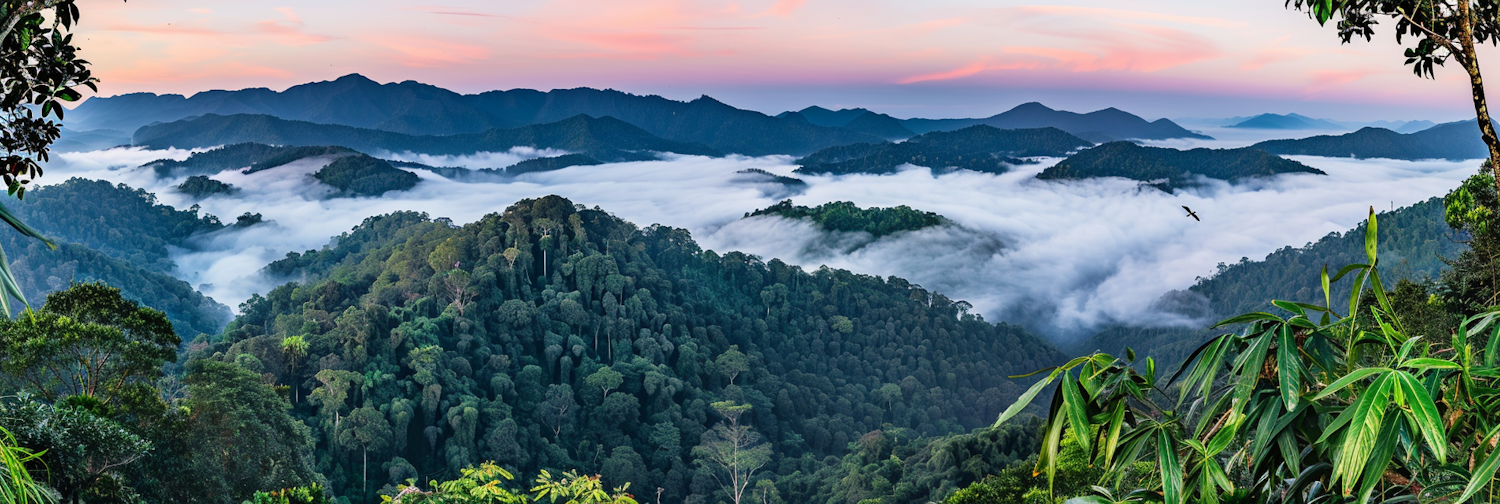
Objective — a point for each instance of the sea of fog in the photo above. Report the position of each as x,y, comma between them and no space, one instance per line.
1062,258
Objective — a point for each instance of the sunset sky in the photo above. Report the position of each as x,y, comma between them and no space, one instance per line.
930,58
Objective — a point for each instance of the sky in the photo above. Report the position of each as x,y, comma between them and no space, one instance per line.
932,58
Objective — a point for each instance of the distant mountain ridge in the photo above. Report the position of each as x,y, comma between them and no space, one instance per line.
1287,122
1170,169
601,138
414,108
978,148
1098,126
1452,141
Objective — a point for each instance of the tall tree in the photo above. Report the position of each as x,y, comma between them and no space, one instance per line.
88,341
1432,32
733,452
365,429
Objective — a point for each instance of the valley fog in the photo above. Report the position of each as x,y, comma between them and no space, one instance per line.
1061,258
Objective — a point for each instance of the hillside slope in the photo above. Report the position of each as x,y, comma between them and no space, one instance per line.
490,342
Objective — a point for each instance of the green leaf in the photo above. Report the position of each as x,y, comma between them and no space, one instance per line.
1323,10
1052,441
1380,457
1430,363
1484,474
1077,410
1289,368
1248,317
1370,229
1353,376
1425,413
1116,422
1023,401
1364,431
1171,471
1327,291
1249,364
15,222
1289,306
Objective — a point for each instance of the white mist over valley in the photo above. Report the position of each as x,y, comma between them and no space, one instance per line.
1063,258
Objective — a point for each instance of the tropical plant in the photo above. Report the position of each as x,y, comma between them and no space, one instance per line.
1432,32
39,69
16,484
1317,406
485,484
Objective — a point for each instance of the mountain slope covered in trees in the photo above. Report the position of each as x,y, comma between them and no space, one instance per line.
118,235
978,148
601,138
1454,141
1170,169
554,337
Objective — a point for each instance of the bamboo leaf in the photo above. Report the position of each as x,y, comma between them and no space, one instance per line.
1248,317
1353,376
1430,363
1171,471
1370,236
1289,306
1425,413
1076,409
1052,441
1248,365
1484,474
1023,401
1327,290
1349,269
1112,440
1289,368
1364,431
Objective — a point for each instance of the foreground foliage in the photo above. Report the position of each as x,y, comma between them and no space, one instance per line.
1311,407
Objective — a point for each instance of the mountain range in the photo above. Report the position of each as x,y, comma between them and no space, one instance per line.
1453,141
417,109
603,138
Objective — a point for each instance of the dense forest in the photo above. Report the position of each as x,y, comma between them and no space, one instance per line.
604,138
118,235
361,175
200,186
556,337
1170,169
542,164
848,217
978,148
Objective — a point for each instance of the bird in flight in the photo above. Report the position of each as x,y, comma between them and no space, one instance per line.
1191,213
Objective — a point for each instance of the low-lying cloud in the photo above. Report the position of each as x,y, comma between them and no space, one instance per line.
1063,258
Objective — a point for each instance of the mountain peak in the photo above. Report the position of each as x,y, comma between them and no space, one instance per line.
1032,107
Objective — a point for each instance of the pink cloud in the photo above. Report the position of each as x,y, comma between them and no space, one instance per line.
968,70
426,52
784,8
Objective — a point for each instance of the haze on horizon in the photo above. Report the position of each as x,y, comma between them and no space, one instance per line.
941,58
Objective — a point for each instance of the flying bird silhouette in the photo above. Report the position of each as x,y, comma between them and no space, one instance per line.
1191,213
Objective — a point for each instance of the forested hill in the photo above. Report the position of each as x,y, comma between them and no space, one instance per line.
1413,243
1455,140
114,234
552,336
1170,169
848,217
978,148
603,138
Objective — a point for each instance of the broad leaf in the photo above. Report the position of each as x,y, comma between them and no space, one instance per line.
1171,471
1289,368
1023,401
1484,474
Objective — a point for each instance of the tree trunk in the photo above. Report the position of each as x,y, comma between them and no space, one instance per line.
364,480
1476,87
